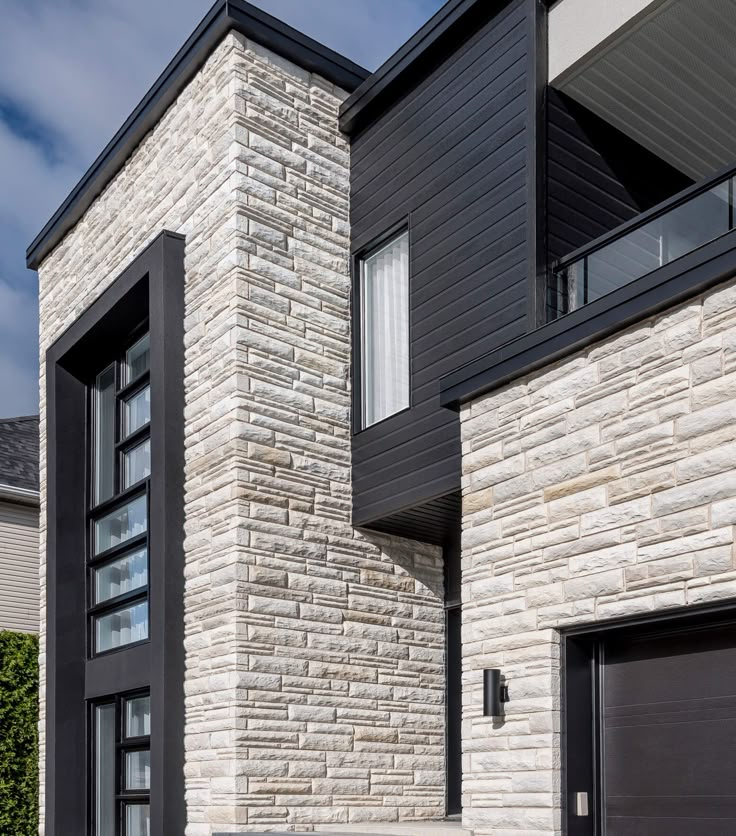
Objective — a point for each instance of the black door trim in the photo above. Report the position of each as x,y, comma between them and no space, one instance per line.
582,648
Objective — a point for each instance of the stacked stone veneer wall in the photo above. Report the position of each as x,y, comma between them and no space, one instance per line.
315,653
600,487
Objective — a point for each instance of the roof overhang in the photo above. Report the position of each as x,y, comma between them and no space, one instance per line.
663,72
225,15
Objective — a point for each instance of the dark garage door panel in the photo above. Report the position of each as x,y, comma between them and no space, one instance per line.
669,726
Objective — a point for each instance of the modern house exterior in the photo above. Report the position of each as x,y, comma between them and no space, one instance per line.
388,475
19,513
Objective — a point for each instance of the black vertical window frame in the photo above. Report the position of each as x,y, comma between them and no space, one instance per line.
111,555
123,745
121,494
358,260
154,282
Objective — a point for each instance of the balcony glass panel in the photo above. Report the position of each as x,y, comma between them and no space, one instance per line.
643,249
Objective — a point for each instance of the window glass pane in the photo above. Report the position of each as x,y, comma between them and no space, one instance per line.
123,575
120,525
104,440
385,331
121,627
138,717
137,463
137,359
105,769
138,820
137,411
138,770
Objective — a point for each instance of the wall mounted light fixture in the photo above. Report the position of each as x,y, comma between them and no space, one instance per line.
495,692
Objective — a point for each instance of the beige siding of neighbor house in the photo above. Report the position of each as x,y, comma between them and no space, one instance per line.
19,604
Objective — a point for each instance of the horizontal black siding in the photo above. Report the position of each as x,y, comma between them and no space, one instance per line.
597,176
449,159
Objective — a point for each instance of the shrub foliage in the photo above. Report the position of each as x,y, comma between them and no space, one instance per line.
18,734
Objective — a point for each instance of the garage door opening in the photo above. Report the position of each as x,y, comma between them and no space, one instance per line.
650,730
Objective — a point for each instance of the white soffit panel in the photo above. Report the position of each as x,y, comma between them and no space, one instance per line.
577,27
669,82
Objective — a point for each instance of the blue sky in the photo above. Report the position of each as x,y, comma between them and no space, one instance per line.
70,73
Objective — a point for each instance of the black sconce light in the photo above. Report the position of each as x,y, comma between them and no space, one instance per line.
495,693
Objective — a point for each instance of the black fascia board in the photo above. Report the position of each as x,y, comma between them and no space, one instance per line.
456,20
663,288
288,42
225,15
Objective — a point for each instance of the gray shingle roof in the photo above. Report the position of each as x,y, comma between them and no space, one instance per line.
19,452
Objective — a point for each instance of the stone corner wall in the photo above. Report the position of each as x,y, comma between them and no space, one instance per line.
602,486
314,652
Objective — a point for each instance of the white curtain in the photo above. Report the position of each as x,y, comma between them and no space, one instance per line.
385,330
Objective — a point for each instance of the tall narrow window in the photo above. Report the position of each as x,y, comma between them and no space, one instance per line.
122,774
104,448
104,772
118,553
384,302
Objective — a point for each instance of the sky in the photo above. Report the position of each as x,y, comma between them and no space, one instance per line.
71,71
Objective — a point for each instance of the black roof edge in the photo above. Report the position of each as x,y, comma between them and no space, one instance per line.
455,20
664,288
222,17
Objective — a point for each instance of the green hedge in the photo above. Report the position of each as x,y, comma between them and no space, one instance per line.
18,734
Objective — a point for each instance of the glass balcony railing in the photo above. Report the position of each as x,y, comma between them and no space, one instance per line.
663,235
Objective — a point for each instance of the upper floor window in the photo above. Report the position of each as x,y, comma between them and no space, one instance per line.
384,324
118,555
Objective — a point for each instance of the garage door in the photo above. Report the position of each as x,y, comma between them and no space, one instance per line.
668,733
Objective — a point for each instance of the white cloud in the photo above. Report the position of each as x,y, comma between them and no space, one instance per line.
73,70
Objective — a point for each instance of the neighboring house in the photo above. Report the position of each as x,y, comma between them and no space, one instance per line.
19,589
330,358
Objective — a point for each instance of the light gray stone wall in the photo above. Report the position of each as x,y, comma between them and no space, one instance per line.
315,653
599,487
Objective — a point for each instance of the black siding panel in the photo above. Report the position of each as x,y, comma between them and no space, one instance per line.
450,159
597,177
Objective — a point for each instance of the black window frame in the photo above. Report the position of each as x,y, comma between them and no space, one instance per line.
358,334
122,495
123,744
152,284
582,658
